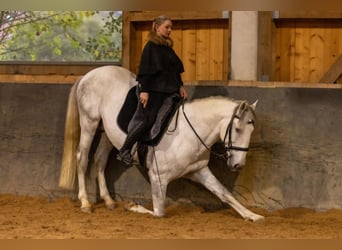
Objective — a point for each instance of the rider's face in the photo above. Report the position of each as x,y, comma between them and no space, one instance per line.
164,29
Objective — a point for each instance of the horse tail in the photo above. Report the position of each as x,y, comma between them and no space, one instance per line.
71,140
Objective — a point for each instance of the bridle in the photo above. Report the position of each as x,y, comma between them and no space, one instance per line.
229,147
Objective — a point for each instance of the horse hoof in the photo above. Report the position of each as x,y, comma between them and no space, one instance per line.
257,219
87,210
260,219
112,206
128,206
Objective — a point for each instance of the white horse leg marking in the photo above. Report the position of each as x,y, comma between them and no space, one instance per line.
206,178
100,157
158,189
86,139
131,206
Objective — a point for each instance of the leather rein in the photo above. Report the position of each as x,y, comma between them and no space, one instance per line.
229,147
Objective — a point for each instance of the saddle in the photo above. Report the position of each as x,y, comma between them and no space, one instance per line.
155,134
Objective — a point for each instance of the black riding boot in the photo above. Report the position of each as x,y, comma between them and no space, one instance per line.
133,136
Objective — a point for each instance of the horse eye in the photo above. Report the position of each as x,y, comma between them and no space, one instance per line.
251,121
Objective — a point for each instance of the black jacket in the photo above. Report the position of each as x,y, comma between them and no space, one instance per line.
159,69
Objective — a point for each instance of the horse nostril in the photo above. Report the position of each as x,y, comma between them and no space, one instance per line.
236,166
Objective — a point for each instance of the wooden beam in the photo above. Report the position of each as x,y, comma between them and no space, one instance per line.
334,72
266,40
126,35
47,68
39,79
136,16
310,14
260,84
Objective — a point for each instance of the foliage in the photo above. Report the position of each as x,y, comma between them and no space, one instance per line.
60,36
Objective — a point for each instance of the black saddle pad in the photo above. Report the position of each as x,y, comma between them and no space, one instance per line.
165,114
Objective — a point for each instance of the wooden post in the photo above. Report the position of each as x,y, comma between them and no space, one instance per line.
126,45
266,46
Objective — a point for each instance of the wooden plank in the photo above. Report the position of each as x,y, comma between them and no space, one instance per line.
177,37
226,51
316,53
126,41
216,51
277,54
202,51
265,45
47,68
136,47
189,50
334,72
301,71
271,84
137,16
39,79
286,52
312,14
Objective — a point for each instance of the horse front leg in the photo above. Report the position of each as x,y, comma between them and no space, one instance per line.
158,189
207,179
101,158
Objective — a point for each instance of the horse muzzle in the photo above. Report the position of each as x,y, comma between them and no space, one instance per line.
235,167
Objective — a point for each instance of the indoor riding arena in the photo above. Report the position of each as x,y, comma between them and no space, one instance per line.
291,62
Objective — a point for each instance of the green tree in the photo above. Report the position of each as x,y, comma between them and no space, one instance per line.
108,42
60,36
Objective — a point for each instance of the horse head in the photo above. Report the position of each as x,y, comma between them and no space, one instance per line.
238,134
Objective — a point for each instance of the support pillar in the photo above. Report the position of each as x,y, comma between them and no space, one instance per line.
244,45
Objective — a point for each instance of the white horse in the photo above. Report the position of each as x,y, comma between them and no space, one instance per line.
100,94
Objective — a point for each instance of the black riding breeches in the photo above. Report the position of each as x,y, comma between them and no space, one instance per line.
144,118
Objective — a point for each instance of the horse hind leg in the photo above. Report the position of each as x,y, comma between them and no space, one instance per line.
101,156
207,179
88,130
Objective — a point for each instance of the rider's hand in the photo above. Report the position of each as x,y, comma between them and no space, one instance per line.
143,98
183,93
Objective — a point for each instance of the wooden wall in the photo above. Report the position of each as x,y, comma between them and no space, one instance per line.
297,47
306,49
293,47
201,40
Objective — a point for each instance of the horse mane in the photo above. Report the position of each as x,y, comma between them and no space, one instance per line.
212,98
243,105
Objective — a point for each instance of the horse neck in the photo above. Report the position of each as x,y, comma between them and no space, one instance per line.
210,116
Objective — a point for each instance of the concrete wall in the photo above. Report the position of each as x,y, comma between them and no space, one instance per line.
294,161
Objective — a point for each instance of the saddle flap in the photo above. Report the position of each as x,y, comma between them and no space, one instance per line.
164,116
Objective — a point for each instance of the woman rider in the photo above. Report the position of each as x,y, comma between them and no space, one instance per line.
159,76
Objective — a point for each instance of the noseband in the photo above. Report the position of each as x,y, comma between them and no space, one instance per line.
229,147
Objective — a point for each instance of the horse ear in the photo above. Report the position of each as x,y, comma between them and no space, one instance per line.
253,106
242,107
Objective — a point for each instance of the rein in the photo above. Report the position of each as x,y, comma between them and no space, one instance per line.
229,148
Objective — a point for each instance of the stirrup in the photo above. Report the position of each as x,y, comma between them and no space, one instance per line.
126,158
